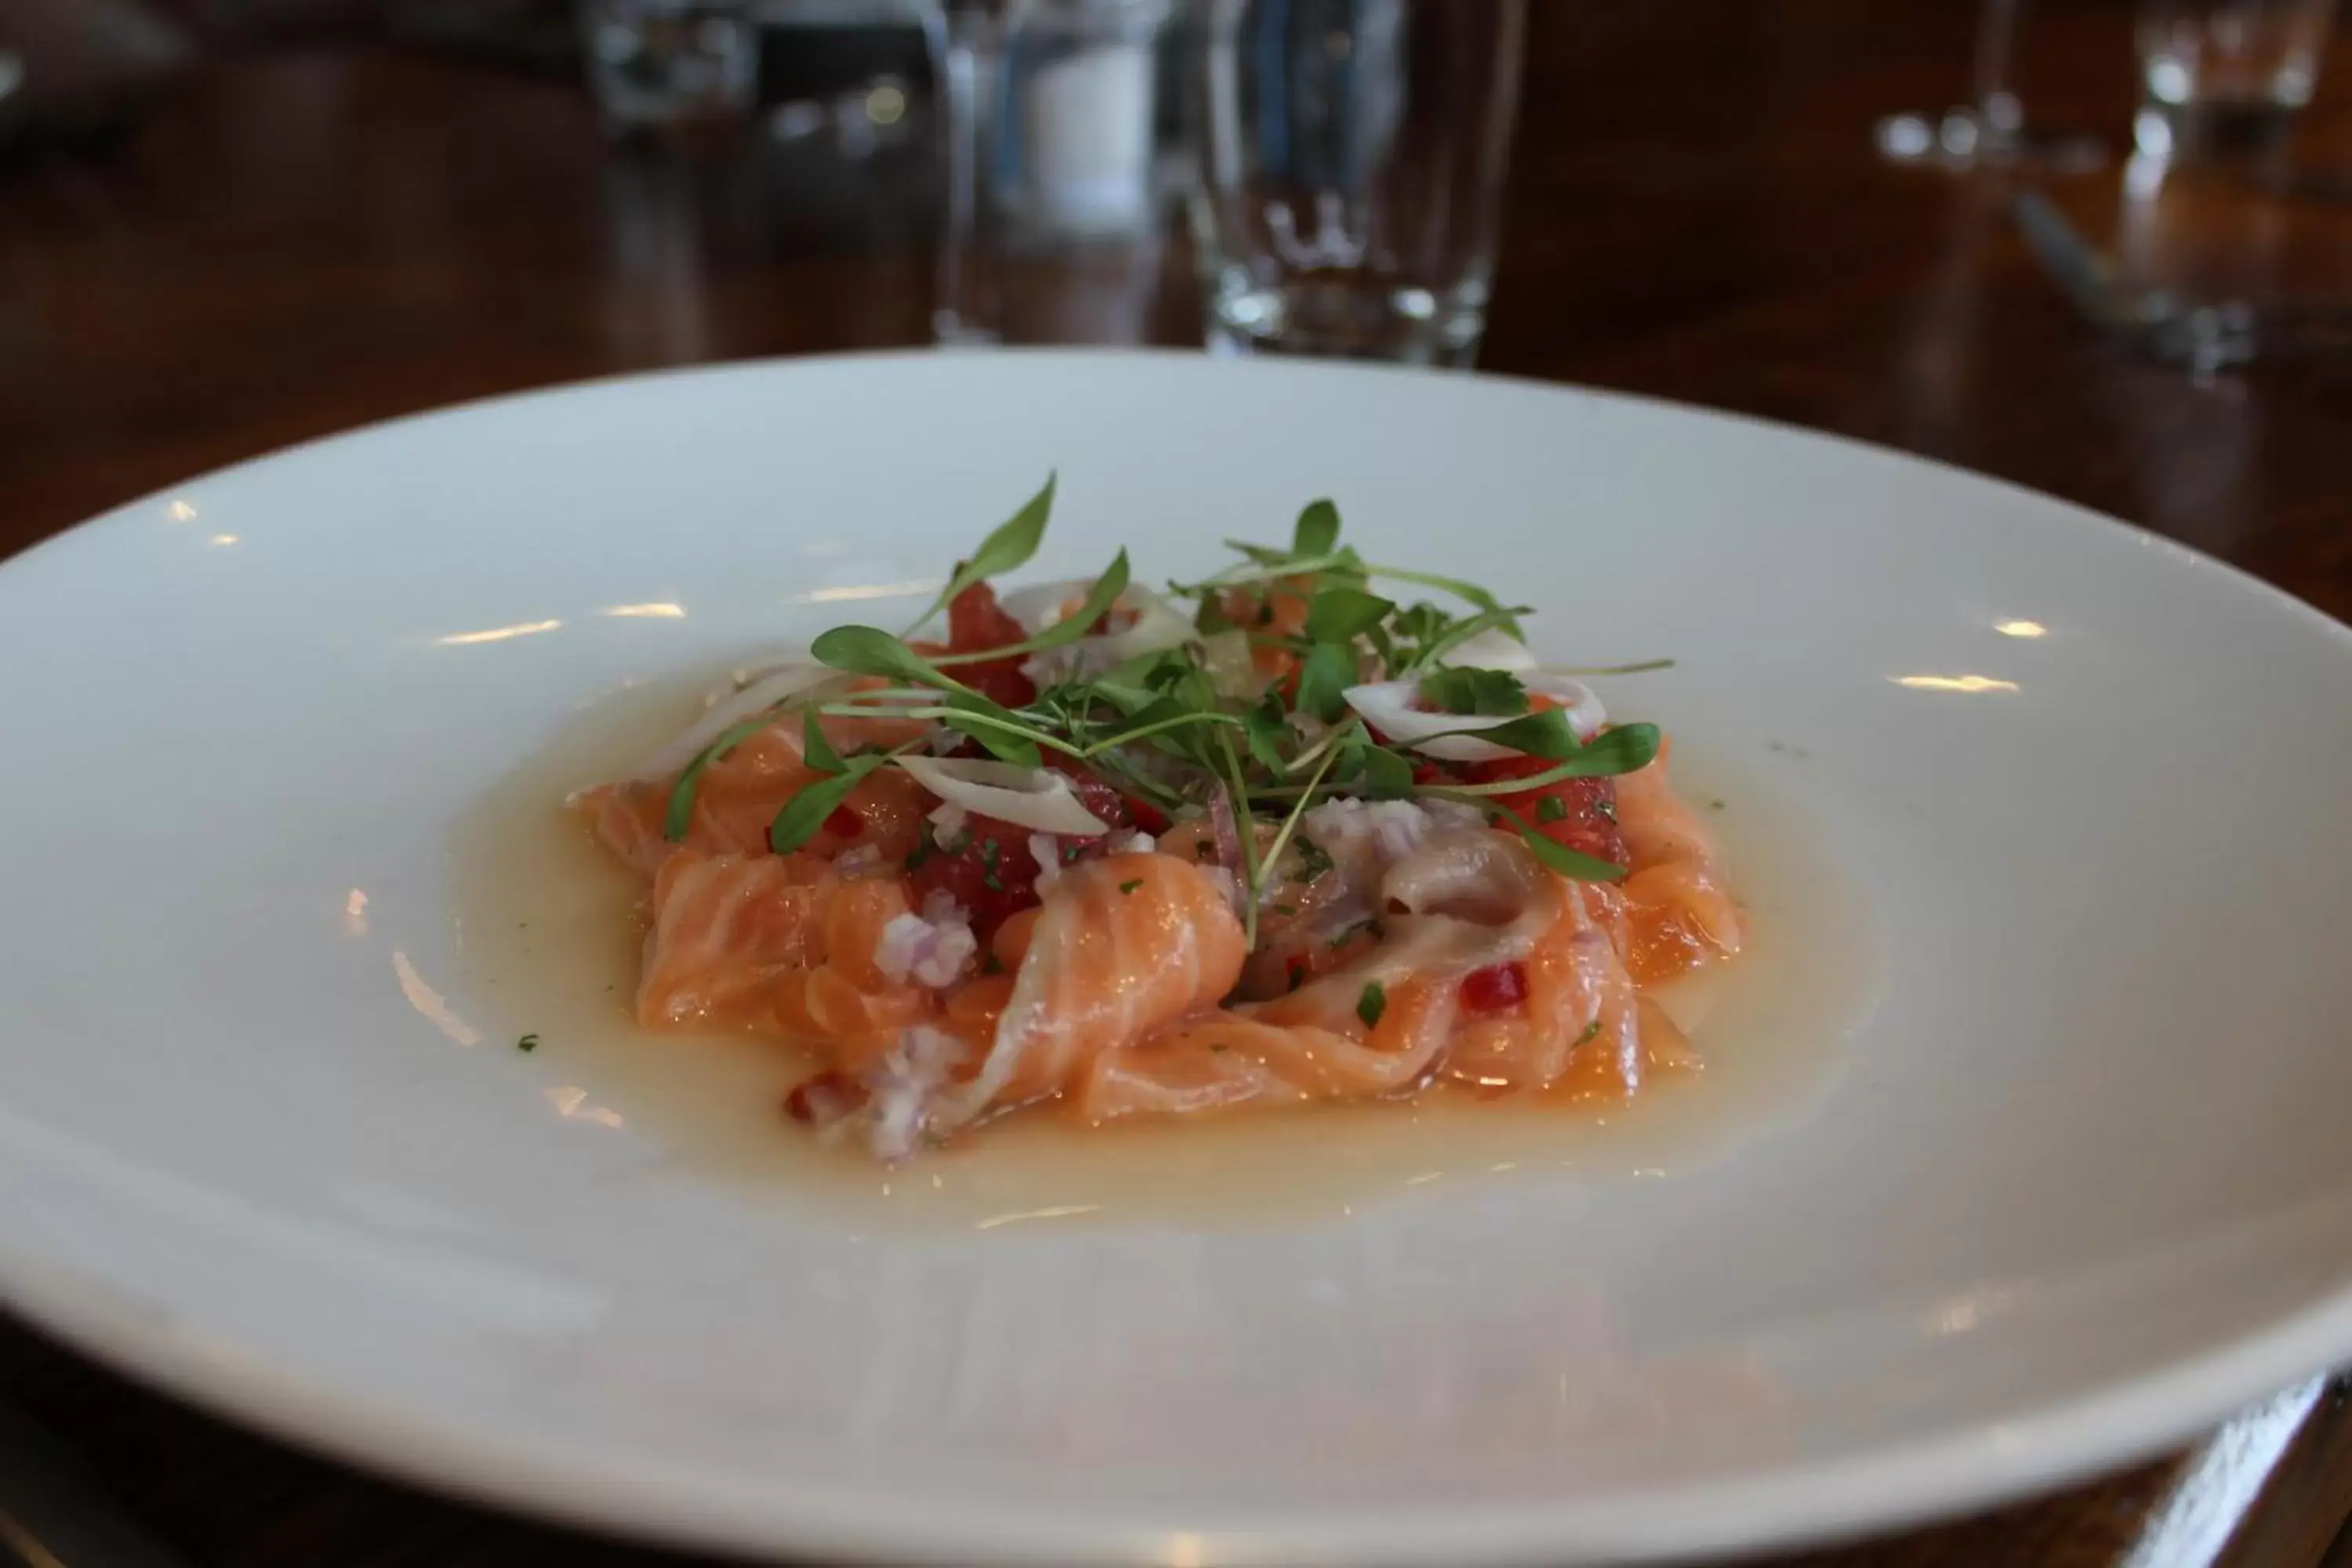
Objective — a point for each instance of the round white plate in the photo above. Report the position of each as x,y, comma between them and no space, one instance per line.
2080,1184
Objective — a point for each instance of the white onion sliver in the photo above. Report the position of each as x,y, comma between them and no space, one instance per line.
1232,669
1387,707
779,686
1158,624
1026,797
1493,648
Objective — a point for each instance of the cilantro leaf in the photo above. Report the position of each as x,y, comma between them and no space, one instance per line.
1266,731
1370,1003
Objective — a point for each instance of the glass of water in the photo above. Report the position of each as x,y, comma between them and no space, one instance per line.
660,64
1352,156
2226,76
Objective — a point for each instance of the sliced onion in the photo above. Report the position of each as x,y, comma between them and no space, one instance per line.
1387,707
779,685
1026,797
1231,666
1493,648
1158,624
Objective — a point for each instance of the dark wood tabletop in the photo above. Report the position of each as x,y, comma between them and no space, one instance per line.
288,244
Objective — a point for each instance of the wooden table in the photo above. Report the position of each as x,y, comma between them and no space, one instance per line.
298,244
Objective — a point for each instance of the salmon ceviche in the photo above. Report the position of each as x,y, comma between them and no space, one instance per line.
1311,829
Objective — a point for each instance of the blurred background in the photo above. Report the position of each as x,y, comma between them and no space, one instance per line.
230,223
2100,247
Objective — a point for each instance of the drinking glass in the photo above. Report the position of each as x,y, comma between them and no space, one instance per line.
1352,156
655,64
1989,130
2226,75
1056,205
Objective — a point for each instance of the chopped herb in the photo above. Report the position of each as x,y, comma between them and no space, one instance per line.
991,964
1591,1032
1219,1046
1205,849
1371,928
528,1043
921,852
1715,806
1373,1002
1551,808
1071,852
1313,860
1130,886
989,855
1265,615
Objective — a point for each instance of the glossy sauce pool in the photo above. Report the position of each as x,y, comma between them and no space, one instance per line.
548,939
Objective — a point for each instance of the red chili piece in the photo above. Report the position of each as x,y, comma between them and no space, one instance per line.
1495,987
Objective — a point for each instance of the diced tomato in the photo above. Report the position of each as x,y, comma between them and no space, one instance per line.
976,623
1495,987
991,871
843,821
1584,819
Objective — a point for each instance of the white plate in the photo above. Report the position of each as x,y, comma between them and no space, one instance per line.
2080,1186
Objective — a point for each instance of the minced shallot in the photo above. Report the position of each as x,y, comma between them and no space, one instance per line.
932,948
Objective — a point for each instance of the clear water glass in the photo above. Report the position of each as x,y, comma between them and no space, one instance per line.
2226,75
1351,162
1989,131
1057,203
657,64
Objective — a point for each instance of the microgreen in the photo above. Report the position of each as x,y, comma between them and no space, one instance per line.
680,813
1323,680
804,814
1068,629
1488,693
815,750
1318,530
865,650
1008,549
1343,614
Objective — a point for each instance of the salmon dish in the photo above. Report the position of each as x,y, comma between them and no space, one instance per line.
1311,829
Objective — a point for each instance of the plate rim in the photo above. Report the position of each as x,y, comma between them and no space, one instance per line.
2122,1419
